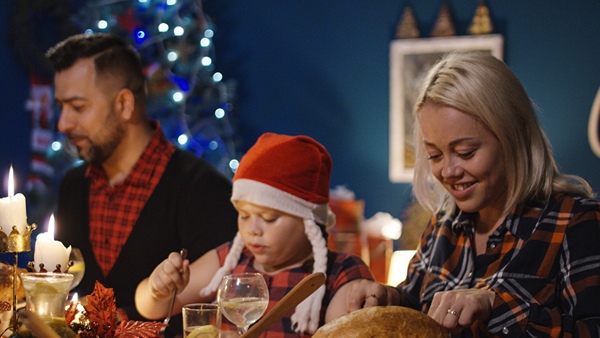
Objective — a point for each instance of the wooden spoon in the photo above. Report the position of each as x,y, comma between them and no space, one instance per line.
302,290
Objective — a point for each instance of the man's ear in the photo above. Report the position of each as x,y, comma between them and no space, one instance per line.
125,104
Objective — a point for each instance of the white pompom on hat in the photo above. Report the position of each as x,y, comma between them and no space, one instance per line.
290,174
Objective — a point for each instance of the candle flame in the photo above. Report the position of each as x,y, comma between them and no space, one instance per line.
11,183
51,227
75,298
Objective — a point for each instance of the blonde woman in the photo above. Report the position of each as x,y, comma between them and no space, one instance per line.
512,248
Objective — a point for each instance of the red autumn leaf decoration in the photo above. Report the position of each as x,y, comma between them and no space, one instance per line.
133,329
70,313
101,313
101,309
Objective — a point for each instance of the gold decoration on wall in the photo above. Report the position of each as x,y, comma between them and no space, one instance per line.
407,28
481,24
443,25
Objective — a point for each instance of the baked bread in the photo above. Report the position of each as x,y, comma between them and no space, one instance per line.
383,321
6,283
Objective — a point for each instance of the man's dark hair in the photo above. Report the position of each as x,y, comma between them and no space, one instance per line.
113,57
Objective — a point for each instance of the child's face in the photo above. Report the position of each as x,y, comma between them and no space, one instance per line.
276,239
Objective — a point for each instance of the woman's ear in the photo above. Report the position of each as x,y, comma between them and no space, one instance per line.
125,104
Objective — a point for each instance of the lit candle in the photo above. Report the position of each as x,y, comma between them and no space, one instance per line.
75,309
12,209
50,252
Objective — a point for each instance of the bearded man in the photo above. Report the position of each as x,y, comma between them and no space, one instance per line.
137,198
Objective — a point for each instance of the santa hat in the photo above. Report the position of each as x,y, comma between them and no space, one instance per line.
290,174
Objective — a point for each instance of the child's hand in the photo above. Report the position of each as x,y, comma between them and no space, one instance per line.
173,273
363,293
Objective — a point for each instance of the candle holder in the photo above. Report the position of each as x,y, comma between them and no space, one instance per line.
42,267
15,243
46,295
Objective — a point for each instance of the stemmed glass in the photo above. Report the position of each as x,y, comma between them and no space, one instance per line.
78,267
243,298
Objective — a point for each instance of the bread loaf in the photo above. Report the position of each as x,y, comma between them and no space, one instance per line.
384,322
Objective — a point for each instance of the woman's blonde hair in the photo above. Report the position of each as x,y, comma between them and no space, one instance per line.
483,87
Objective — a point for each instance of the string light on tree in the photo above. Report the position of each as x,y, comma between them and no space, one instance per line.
186,94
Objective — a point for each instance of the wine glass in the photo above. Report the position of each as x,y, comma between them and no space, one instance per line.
243,298
78,267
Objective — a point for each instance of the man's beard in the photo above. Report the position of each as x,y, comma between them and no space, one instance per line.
110,139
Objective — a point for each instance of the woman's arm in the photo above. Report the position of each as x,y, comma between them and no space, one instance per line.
571,308
366,293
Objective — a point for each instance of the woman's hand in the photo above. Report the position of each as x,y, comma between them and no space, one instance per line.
367,293
170,275
458,309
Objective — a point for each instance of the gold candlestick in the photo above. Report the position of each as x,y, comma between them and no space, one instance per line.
16,243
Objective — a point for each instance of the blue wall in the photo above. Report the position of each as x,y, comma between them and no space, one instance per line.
321,68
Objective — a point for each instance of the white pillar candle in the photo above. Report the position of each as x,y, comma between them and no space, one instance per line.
13,209
50,252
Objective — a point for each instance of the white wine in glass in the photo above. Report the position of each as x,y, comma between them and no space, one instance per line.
78,267
243,298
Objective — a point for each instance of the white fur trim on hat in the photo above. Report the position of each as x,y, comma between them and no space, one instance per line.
265,195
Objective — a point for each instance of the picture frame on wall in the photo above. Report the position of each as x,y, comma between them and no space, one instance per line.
410,59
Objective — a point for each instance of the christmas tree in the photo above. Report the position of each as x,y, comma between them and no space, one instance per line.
174,39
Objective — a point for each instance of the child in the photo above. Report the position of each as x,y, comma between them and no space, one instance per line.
281,191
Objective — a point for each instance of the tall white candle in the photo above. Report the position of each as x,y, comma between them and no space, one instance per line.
50,252
13,209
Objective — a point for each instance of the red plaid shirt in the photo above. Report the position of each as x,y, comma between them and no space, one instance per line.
115,210
341,269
